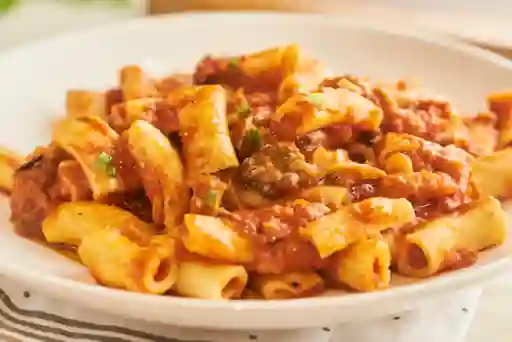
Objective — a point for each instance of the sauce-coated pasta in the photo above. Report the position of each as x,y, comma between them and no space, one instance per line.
259,176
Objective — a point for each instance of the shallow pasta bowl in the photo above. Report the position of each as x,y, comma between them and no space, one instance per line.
35,78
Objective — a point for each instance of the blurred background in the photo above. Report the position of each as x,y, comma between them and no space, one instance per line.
486,23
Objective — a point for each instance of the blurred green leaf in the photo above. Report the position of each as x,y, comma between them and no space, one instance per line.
6,5
102,2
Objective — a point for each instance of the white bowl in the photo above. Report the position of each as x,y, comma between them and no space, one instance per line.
34,79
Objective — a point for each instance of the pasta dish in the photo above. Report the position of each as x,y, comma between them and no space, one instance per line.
262,176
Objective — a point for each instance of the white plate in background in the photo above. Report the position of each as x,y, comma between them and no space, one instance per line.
35,78
483,22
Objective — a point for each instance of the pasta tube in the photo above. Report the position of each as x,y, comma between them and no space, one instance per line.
210,281
289,285
204,130
332,196
399,163
91,142
427,250
492,174
501,105
483,136
326,160
214,238
161,170
356,171
158,112
394,143
72,221
282,60
71,181
363,266
9,163
135,84
261,71
334,232
392,239
115,261
303,113
304,77
338,163
86,103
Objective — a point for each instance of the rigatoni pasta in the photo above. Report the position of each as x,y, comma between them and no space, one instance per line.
135,84
161,170
86,103
364,265
73,221
303,113
91,142
260,177
212,237
207,146
336,231
210,281
115,260
430,249
492,174
289,285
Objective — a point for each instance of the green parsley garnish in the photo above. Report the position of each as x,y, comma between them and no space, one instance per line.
112,171
104,158
244,110
253,137
210,198
105,164
233,62
316,99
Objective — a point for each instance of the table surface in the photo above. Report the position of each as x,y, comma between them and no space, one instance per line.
491,322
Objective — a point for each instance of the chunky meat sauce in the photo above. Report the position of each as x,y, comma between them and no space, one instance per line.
274,234
33,194
278,170
262,196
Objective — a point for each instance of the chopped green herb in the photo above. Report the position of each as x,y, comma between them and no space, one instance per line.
254,138
233,62
104,158
244,110
112,171
316,99
210,198
104,163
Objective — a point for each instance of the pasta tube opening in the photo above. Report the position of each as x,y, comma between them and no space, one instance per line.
159,266
290,285
363,266
232,288
210,281
115,261
163,269
452,241
416,257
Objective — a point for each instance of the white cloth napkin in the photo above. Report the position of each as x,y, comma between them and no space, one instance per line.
27,315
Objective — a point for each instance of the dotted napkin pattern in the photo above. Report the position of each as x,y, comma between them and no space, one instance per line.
27,315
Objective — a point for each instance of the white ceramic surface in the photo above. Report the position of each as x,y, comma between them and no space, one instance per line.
35,77
483,22
36,19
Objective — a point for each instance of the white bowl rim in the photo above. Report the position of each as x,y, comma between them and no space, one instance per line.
433,286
